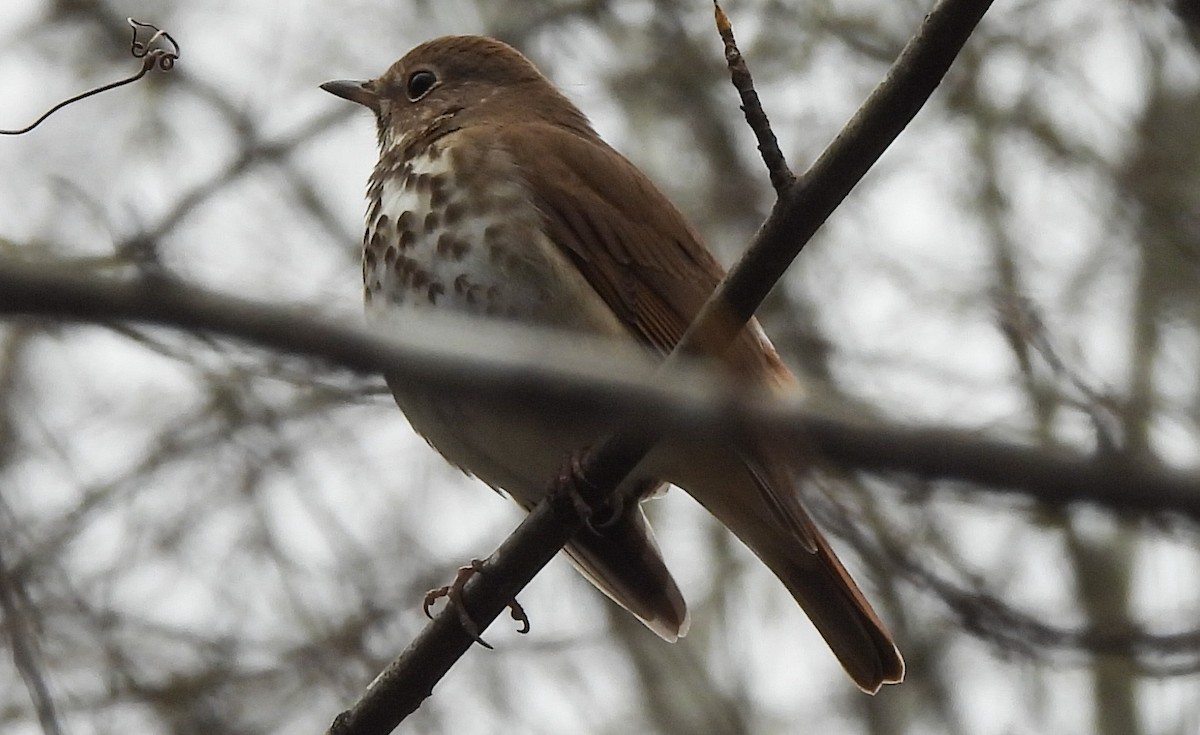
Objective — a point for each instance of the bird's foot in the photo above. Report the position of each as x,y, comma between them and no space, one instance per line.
453,594
598,519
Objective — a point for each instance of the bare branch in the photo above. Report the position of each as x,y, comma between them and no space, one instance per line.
22,633
781,175
798,214
1014,631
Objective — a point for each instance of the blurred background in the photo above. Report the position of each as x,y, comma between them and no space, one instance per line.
198,537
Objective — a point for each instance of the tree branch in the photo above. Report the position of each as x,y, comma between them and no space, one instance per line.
691,405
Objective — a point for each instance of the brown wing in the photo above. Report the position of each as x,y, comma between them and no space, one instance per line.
628,240
650,267
652,270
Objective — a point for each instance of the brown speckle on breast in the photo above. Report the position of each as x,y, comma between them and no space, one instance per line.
452,247
406,225
432,222
470,292
453,213
439,193
410,275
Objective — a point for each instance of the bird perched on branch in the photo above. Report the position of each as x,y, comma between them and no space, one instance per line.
494,198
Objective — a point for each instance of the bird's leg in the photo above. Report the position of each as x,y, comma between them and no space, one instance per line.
453,594
598,518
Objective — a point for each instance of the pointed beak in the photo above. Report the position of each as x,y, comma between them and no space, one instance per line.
360,92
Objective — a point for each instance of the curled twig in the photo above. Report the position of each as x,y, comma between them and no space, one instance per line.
161,57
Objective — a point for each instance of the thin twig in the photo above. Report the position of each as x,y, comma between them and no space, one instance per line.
22,635
1015,631
163,58
1022,325
768,146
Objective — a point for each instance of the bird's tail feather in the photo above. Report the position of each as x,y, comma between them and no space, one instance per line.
623,561
757,502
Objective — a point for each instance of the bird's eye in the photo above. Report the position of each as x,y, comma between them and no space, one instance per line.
419,84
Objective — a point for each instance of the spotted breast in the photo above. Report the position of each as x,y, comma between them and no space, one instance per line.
452,228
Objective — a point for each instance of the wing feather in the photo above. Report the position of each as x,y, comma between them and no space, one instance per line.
654,273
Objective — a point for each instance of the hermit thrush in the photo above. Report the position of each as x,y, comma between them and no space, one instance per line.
493,197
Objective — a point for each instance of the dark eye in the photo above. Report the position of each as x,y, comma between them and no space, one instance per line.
419,84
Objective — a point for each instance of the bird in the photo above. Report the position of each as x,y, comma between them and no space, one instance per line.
495,199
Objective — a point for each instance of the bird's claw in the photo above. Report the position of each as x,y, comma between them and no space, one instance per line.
612,511
453,594
518,614
597,520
